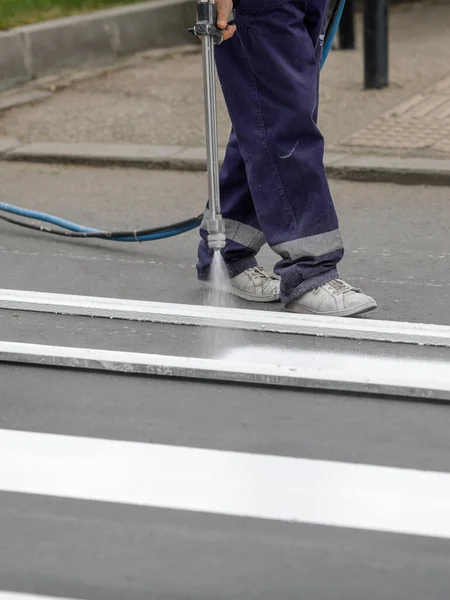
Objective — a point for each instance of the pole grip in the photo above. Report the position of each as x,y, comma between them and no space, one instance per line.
207,21
206,12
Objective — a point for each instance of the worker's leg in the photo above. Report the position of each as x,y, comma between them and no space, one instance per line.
269,73
244,235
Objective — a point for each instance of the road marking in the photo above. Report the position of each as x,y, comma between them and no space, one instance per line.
228,483
418,379
184,314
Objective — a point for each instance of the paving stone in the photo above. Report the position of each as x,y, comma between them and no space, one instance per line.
420,123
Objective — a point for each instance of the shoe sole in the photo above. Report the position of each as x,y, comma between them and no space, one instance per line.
349,312
235,292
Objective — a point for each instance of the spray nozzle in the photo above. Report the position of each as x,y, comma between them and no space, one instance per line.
216,233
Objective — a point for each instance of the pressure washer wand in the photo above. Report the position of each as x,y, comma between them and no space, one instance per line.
210,35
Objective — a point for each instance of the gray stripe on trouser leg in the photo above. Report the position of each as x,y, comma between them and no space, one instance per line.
242,234
313,246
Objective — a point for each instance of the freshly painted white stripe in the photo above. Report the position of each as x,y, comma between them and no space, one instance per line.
184,314
229,483
16,596
420,379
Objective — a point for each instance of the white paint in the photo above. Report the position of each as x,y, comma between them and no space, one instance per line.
228,483
321,375
182,314
390,370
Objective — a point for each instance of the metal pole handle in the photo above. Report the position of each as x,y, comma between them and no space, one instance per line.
207,29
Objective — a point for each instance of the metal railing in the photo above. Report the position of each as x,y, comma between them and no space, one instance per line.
376,42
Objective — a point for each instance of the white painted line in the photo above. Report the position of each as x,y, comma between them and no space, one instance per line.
183,314
228,483
420,379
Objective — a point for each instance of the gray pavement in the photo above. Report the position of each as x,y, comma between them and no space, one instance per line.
91,550
110,552
85,549
397,240
254,419
159,100
397,250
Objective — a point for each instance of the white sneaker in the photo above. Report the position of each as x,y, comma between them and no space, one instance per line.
254,284
336,298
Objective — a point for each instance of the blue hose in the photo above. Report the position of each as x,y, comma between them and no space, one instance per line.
332,33
157,235
32,214
166,232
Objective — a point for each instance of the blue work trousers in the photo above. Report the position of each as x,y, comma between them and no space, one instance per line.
273,183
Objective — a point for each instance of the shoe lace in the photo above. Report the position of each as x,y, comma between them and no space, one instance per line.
260,276
342,286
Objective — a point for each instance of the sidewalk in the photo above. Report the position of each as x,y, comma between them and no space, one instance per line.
156,99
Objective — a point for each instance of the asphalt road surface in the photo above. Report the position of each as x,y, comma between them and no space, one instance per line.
61,428
396,238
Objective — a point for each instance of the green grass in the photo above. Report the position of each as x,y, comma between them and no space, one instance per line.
23,12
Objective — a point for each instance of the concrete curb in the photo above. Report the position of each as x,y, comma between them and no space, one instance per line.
8,144
389,169
107,155
339,165
36,50
21,98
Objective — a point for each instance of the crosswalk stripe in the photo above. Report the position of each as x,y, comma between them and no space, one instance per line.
231,318
228,483
421,379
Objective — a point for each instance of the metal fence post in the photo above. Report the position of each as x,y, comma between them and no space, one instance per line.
347,27
376,61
